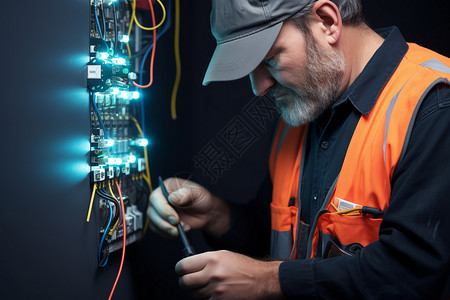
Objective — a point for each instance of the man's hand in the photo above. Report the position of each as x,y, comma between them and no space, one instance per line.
227,275
192,203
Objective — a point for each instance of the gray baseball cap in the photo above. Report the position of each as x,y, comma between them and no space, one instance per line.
245,30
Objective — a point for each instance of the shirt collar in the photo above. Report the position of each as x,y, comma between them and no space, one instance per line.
364,91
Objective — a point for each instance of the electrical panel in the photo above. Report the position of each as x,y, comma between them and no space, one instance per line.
120,179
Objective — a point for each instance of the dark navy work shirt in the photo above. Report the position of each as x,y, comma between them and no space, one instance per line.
411,259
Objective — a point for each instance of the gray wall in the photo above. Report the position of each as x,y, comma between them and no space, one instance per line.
47,250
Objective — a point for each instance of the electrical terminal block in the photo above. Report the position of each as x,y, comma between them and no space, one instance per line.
110,172
139,217
141,164
98,174
99,160
126,169
99,152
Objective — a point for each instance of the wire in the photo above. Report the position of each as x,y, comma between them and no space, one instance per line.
104,195
103,20
144,59
153,49
96,19
133,13
177,61
124,241
118,215
98,25
151,8
94,104
159,33
90,203
118,221
103,238
147,169
116,41
147,221
347,211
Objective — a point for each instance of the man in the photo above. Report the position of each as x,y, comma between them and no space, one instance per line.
359,163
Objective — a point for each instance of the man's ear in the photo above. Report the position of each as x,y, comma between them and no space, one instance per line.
328,18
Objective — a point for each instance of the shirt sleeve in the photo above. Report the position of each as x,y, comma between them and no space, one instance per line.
411,259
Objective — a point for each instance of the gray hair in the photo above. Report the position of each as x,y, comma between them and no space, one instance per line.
350,10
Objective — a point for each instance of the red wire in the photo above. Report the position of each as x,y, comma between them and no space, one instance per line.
153,50
124,240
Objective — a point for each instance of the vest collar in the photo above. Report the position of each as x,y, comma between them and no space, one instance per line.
364,91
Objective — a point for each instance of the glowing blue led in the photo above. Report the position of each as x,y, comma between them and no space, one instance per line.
115,91
131,159
134,95
109,143
123,94
142,142
125,38
114,161
102,55
119,61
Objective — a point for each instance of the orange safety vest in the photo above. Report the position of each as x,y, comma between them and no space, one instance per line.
377,145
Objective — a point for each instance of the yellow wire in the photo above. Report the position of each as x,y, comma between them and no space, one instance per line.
133,14
92,201
334,206
144,231
117,222
147,169
343,212
173,102
149,28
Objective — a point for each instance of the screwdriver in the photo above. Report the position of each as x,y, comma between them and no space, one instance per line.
188,249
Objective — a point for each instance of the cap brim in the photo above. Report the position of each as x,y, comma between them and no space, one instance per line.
238,58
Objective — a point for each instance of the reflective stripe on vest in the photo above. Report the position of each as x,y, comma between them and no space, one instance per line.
377,145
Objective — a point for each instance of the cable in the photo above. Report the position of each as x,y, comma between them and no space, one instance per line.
151,8
96,19
103,238
94,104
98,25
147,169
124,241
118,215
133,13
103,20
90,203
153,50
347,211
118,221
104,195
159,33
177,60
144,59
116,42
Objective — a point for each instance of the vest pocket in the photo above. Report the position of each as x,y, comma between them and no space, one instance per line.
345,230
283,221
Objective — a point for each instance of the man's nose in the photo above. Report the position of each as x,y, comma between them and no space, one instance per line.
261,80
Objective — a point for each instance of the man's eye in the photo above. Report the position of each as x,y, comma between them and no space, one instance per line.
269,61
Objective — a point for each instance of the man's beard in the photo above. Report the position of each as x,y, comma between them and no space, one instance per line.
323,75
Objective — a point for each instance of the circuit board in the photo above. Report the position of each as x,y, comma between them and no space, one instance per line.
119,168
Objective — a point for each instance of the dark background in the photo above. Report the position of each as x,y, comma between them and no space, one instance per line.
48,251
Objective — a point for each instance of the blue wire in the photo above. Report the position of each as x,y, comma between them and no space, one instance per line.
104,235
94,104
98,25
163,30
